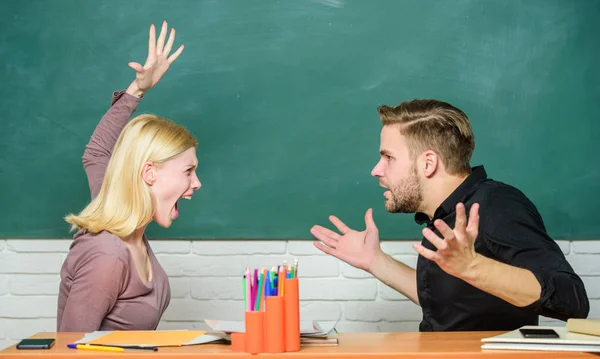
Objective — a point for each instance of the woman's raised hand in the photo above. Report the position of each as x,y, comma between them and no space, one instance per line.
157,63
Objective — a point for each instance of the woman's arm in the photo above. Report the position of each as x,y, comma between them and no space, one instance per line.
98,150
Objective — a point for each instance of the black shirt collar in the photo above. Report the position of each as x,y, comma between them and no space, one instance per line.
477,174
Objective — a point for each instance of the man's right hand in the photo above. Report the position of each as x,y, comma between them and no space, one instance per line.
359,249
362,250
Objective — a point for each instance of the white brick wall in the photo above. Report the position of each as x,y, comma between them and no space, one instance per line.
331,290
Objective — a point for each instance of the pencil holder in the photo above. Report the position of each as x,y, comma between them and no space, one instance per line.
238,342
255,332
292,315
274,317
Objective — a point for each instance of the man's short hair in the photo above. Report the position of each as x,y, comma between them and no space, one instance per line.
434,125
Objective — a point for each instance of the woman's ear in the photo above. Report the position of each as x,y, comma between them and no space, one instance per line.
149,173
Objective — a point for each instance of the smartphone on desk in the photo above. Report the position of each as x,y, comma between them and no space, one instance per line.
539,333
36,343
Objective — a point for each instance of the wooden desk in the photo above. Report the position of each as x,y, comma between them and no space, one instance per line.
352,345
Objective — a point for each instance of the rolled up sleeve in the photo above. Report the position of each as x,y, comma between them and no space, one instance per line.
520,239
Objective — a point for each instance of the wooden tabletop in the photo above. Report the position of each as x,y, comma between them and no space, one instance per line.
352,345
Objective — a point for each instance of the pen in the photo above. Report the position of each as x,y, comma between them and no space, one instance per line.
137,347
109,348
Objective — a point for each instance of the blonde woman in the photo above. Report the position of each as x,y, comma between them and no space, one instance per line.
137,172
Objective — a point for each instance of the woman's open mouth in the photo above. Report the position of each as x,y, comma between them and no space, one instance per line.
176,207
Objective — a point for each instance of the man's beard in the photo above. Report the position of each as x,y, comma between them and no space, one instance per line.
405,196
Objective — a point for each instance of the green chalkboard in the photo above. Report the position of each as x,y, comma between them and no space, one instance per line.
282,96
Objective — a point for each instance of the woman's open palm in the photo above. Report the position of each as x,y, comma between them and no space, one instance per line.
158,61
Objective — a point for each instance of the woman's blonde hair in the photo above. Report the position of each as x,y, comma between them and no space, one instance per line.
124,202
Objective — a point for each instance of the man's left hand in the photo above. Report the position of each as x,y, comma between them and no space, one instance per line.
456,251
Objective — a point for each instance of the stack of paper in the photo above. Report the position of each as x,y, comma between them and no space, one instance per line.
584,326
311,332
566,341
321,334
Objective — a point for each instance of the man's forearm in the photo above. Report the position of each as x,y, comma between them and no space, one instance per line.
397,275
517,286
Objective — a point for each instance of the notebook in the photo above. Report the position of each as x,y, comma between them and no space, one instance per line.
584,326
566,341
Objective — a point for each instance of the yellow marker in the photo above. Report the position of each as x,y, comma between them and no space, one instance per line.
101,348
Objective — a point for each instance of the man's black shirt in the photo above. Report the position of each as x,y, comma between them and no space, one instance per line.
510,231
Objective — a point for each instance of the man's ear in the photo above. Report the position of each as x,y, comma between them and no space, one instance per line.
149,173
430,163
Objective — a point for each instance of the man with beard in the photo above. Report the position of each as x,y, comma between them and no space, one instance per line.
498,269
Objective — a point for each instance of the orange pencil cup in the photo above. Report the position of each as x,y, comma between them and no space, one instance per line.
238,342
255,332
292,315
274,317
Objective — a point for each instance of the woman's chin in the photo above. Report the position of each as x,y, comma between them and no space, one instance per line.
165,225
163,222
167,219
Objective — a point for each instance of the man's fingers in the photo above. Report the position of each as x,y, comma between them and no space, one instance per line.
324,248
326,231
461,221
427,253
473,226
322,234
444,229
434,239
369,221
339,225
